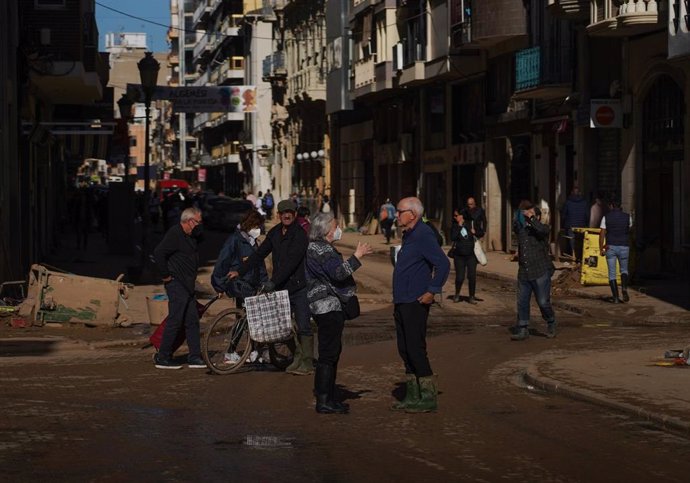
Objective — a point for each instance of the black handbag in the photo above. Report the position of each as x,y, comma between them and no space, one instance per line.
451,252
351,308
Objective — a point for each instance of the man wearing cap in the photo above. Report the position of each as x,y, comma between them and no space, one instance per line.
287,242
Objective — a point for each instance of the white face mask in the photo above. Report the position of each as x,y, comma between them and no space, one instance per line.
254,233
337,234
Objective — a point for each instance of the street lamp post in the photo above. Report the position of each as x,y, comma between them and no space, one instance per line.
125,104
148,71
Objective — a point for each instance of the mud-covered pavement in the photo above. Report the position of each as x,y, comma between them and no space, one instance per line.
85,413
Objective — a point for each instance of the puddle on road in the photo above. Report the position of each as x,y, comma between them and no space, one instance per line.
258,441
267,442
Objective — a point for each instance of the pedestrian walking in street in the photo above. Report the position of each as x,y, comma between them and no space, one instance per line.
598,210
239,246
613,243
303,214
464,259
177,258
420,272
287,243
331,294
535,270
268,204
326,205
574,214
387,219
83,214
477,216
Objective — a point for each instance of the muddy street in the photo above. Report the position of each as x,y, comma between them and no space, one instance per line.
108,415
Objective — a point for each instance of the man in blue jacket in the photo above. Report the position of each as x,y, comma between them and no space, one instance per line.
575,214
420,272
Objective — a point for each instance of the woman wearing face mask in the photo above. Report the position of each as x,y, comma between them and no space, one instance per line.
462,235
330,286
238,247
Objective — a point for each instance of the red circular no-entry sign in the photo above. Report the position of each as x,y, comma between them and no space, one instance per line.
605,115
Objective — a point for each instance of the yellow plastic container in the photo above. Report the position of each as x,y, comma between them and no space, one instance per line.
595,270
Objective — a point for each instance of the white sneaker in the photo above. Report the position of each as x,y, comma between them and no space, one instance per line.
231,357
253,356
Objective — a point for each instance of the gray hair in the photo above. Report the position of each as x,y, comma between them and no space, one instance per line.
320,226
189,213
415,205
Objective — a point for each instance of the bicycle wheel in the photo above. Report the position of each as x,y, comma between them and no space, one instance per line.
226,342
282,353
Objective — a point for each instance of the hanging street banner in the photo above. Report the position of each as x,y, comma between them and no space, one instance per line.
201,99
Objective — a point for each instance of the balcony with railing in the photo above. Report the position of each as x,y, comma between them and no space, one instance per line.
414,57
626,17
231,25
274,66
383,72
201,13
307,83
226,153
202,80
201,45
365,75
570,9
543,72
232,68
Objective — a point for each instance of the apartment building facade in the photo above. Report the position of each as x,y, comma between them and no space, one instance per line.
57,112
505,100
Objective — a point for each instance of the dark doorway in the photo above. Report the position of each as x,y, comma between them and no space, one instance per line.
464,184
662,147
519,170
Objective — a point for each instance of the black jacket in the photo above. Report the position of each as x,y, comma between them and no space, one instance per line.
464,245
288,253
533,255
177,255
478,219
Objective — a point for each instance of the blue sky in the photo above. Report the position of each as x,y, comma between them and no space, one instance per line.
154,10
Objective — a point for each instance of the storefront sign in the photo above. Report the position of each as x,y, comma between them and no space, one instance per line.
606,113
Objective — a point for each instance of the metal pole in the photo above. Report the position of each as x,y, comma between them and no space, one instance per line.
147,188
182,119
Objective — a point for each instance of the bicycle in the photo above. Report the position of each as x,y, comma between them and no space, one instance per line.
227,345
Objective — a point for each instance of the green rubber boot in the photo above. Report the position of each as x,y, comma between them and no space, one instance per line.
411,394
428,396
303,363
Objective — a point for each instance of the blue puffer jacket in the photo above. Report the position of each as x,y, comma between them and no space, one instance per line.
236,250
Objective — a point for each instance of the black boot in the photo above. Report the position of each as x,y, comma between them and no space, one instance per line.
323,382
614,291
624,287
335,400
456,298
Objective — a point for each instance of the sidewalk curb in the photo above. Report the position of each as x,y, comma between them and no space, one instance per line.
112,344
532,375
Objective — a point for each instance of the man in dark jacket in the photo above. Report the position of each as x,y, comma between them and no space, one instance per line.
535,270
575,214
613,243
477,218
177,258
287,242
420,272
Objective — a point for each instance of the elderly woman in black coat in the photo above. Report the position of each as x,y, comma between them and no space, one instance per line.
330,292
